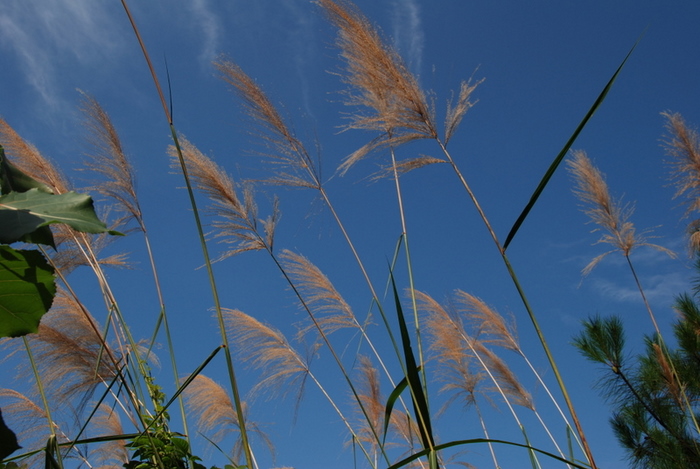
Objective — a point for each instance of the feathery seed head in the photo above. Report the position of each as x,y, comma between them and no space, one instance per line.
107,158
70,352
28,159
488,321
682,144
237,217
267,349
294,166
379,81
216,414
329,309
608,214
451,347
456,113
503,375
106,422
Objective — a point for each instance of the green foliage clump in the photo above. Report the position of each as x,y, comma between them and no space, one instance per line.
654,395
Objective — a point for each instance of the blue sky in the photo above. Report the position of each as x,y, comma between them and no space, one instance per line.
544,64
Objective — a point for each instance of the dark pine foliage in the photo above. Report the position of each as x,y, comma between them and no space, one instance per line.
654,395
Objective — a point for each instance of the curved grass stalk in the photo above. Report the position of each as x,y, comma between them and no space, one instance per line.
241,224
135,401
486,435
526,304
109,160
229,361
409,266
295,157
406,461
489,321
265,347
473,345
42,393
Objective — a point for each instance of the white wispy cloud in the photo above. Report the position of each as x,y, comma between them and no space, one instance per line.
208,28
408,32
657,288
48,36
301,40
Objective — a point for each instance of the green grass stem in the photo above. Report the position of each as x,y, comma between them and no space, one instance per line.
207,259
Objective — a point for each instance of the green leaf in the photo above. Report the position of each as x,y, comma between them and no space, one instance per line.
14,180
51,450
393,397
406,461
8,440
395,394
21,213
27,289
18,225
555,164
420,403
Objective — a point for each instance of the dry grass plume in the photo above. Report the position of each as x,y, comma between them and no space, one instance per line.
610,215
683,146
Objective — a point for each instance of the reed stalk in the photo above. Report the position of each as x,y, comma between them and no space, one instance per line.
205,252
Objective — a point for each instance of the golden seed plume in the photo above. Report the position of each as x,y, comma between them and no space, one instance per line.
683,146
293,164
264,348
236,220
456,113
27,420
487,321
379,82
608,214
69,351
215,413
109,453
370,396
212,405
108,159
669,377
449,345
403,167
329,309
504,376
369,393
447,333
28,159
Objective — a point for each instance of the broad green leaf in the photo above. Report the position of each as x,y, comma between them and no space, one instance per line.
16,225
27,289
14,180
22,213
420,403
